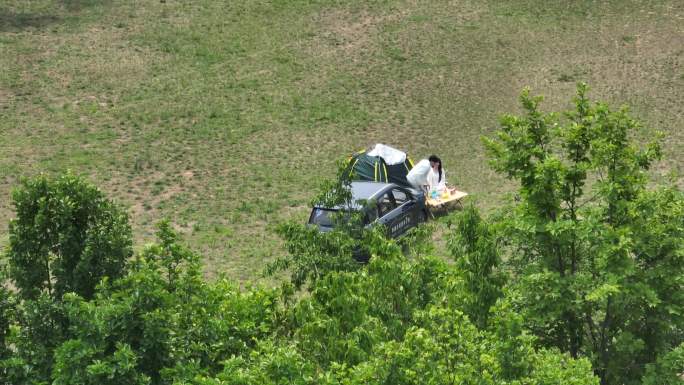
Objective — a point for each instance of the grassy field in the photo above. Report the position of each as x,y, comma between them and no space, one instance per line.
223,115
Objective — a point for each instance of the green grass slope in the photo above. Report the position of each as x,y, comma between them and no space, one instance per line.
223,115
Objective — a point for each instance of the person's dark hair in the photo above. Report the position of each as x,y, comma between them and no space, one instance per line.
435,159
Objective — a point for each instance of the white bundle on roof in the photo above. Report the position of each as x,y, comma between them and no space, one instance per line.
389,154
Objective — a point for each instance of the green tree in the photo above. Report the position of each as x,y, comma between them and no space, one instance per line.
394,322
40,326
667,370
335,324
444,348
391,322
119,368
474,247
66,237
590,268
7,310
312,254
272,363
6,305
160,322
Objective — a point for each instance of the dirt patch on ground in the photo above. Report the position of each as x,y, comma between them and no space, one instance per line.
344,34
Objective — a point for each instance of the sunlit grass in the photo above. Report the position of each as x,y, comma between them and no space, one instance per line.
223,116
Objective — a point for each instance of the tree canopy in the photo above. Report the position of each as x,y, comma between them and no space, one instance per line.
596,255
65,238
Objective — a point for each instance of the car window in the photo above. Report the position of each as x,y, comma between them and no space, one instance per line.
322,217
370,216
385,204
400,196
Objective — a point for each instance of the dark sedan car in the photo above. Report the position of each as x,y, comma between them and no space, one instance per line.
396,207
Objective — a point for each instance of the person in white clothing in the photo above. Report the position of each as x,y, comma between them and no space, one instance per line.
427,174
436,178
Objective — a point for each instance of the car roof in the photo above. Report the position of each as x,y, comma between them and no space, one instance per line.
362,190
365,190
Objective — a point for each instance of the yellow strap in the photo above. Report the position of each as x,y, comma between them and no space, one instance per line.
386,174
351,170
410,161
376,172
356,161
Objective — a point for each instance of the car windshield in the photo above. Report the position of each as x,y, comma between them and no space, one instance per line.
322,217
329,217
